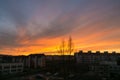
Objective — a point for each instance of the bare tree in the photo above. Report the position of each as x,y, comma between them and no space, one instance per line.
61,49
70,46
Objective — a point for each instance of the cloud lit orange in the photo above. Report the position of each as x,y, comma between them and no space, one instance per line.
39,26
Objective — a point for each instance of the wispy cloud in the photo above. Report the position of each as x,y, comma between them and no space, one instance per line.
28,25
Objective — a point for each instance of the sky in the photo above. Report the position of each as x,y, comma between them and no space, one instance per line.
39,26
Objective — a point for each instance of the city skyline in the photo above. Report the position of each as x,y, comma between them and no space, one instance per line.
33,26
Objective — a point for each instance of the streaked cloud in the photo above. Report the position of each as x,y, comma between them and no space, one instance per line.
29,26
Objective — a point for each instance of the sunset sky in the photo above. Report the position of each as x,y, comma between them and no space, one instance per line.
35,26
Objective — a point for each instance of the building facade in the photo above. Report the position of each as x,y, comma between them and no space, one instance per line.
108,69
36,60
31,61
106,65
8,68
95,57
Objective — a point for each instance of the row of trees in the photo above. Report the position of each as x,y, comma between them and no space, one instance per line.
66,49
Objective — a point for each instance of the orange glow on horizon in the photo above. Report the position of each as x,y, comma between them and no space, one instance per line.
51,46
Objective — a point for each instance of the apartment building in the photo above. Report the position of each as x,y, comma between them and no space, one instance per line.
5,58
36,60
6,68
106,69
31,61
59,57
104,64
95,57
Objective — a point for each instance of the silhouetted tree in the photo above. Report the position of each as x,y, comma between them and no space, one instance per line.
70,46
61,48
